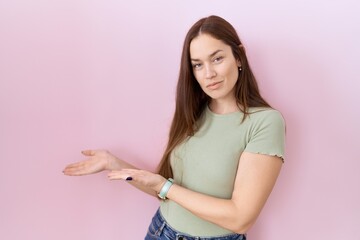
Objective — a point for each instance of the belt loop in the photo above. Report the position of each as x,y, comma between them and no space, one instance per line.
159,231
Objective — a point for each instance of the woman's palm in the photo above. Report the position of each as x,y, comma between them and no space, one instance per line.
96,162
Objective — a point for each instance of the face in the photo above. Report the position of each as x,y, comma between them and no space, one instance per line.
214,66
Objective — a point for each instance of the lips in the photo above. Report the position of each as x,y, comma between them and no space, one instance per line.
214,85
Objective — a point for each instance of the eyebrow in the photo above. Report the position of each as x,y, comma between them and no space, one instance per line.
211,55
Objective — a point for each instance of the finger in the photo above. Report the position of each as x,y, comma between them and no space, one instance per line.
70,171
78,165
131,171
136,174
88,152
77,169
75,172
74,165
119,175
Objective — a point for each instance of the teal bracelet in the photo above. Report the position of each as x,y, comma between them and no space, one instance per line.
165,188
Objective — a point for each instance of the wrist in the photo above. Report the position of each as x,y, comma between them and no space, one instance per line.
111,162
162,194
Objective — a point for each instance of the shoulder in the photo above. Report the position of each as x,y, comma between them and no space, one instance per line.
266,117
265,114
266,132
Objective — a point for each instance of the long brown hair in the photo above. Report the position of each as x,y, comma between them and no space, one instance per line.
190,98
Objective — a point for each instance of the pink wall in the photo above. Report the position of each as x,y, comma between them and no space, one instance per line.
102,74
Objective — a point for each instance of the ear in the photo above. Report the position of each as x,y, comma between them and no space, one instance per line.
238,60
242,48
238,63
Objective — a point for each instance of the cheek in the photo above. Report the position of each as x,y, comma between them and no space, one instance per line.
199,78
233,74
236,75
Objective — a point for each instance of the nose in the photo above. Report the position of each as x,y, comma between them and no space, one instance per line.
209,71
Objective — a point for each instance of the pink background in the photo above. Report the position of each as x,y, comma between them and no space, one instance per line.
102,74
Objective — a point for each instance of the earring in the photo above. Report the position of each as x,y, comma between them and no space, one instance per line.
240,69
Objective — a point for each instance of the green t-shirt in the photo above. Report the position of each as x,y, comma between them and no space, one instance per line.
207,162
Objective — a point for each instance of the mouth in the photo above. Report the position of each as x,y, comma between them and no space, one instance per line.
214,85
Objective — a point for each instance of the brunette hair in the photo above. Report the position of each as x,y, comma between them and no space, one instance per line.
191,99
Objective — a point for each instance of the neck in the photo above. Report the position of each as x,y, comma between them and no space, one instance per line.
223,107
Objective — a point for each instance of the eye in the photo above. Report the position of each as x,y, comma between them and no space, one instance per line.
196,65
218,59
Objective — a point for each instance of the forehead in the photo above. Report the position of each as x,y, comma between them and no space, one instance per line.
204,45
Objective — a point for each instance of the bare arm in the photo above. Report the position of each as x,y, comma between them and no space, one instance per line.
254,182
100,160
255,179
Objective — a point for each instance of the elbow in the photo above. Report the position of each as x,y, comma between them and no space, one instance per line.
242,227
242,220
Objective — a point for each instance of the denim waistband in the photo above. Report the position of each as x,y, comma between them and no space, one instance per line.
159,229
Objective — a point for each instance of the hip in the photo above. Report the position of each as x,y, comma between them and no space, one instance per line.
159,229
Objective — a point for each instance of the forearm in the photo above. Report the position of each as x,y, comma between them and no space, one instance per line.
222,212
115,164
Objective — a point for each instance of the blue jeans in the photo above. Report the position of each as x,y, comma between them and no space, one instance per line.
159,229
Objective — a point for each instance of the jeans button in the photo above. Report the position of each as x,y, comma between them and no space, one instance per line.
181,238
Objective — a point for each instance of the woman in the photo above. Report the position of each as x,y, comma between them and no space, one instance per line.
225,147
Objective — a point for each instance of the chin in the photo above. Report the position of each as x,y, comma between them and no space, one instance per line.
215,96
212,96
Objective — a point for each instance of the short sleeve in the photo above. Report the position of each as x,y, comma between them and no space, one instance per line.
267,134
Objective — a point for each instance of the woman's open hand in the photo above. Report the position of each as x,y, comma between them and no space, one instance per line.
100,160
97,161
140,177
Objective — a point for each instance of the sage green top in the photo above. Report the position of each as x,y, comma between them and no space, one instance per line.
207,162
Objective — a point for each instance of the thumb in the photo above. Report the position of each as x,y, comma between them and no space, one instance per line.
88,152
